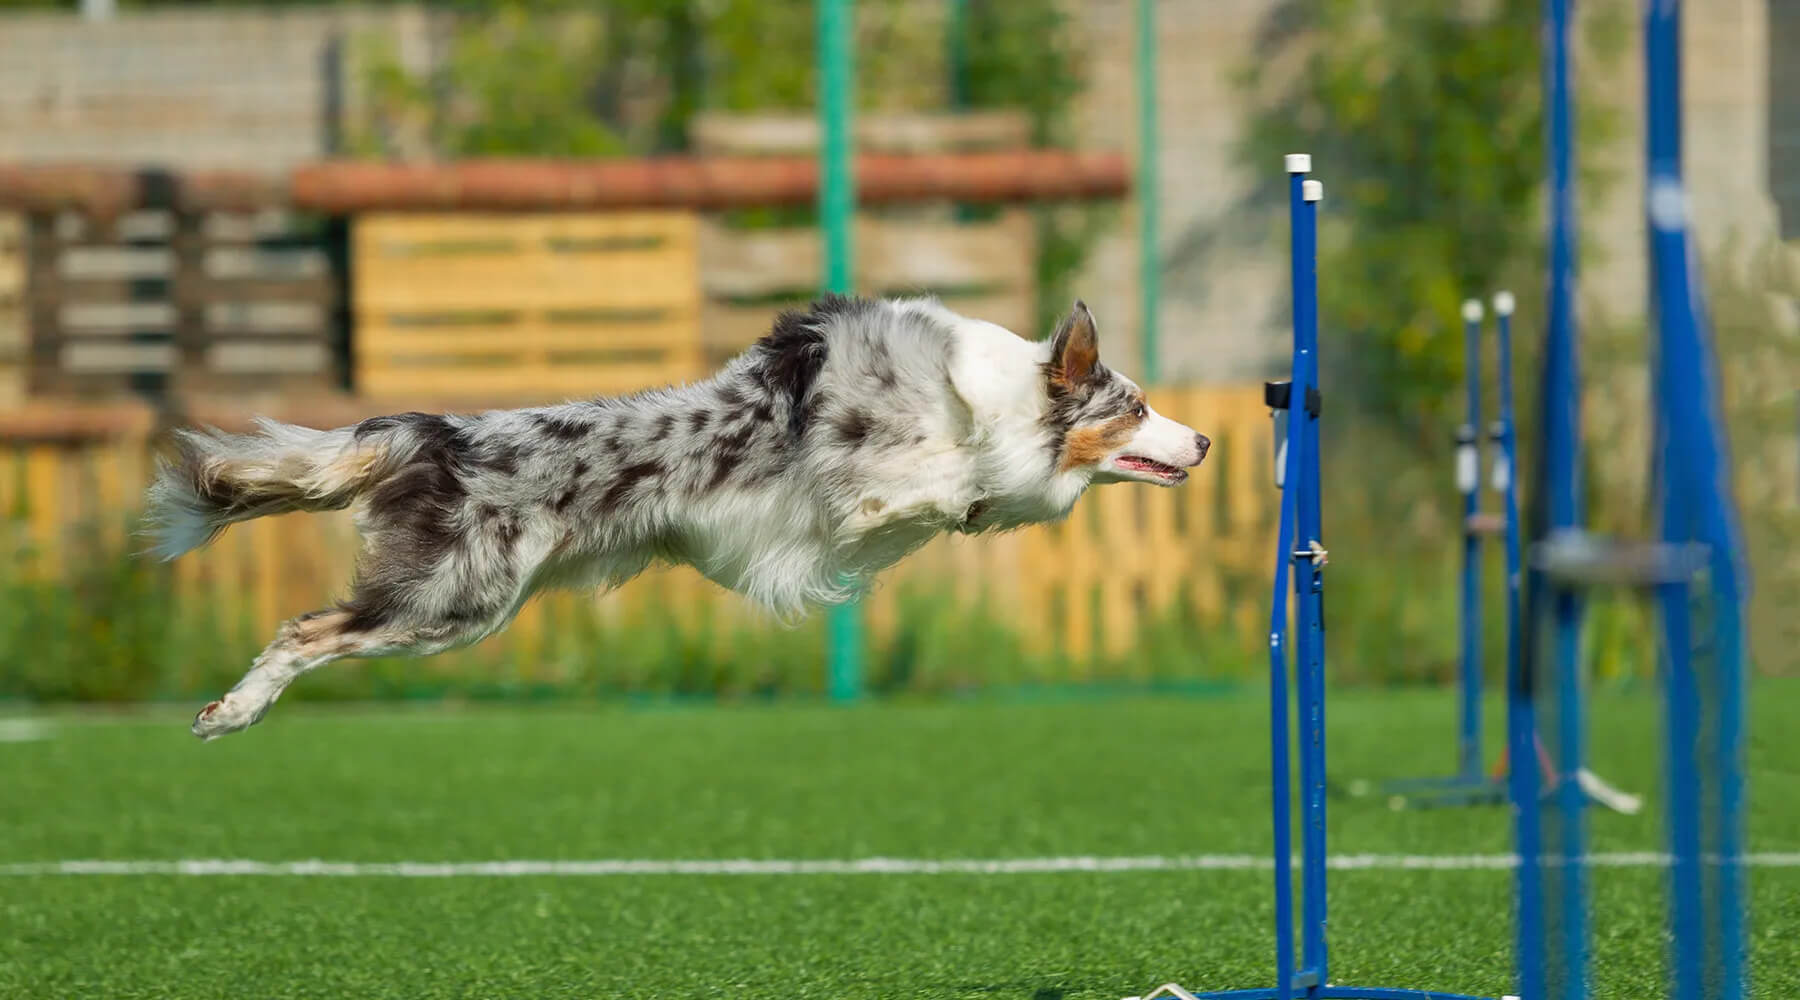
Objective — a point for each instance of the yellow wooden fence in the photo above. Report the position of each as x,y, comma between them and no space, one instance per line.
1128,556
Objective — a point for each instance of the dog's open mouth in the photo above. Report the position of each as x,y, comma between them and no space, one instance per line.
1150,467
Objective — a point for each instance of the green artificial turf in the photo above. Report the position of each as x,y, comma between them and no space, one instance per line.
939,780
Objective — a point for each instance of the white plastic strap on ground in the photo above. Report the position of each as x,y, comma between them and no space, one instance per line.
856,866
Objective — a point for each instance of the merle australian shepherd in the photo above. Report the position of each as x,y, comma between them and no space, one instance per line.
851,434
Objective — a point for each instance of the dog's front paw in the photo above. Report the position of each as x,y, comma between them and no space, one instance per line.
227,715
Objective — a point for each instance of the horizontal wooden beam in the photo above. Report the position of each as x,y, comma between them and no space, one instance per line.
508,185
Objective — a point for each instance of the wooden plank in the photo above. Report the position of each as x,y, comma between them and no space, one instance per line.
766,134
144,224
898,253
664,334
408,234
727,328
44,501
199,291
269,548
261,358
1169,552
1120,573
116,356
237,317
516,383
115,262
286,264
892,255
538,281
103,318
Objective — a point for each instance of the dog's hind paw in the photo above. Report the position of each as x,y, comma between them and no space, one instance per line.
227,715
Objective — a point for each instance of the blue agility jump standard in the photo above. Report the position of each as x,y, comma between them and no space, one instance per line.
1694,570
1300,550
1470,783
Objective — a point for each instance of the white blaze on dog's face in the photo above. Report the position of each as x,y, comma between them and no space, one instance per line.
1105,426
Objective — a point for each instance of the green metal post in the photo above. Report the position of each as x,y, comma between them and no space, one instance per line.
1149,188
837,203
956,53
956,60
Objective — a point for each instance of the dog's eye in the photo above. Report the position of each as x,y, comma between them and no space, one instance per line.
1139,412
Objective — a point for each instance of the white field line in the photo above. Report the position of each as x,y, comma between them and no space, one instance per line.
858,866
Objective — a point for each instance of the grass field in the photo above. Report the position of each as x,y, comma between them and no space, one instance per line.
973,780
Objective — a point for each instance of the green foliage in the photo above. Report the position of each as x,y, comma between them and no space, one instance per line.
563,79
516,81
1023,54
1754,296
110,631
1427,125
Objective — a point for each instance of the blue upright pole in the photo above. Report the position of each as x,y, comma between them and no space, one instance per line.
1468,784
1697,506
1521,709
1279,734
1468,481
1309,587
1557,610
1506,462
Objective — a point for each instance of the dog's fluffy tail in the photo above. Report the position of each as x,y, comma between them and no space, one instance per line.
209,479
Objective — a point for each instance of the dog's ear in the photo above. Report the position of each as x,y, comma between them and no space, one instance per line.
1075,347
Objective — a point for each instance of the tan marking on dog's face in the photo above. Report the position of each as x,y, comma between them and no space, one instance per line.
1088,445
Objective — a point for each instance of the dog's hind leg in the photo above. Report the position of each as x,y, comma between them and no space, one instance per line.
301,644
389,612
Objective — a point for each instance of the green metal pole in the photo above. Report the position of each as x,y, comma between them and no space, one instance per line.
956,53
956,59
837,203
1149,188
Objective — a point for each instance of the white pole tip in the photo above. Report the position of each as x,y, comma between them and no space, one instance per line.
1472,311
1503,303
1299,163
1312,190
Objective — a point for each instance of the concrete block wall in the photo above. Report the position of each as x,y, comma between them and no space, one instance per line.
255,88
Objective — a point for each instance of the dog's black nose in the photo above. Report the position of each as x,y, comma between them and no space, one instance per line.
1202,442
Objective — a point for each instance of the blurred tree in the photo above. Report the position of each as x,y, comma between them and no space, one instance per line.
1426,123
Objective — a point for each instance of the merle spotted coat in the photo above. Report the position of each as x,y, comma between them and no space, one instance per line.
848,436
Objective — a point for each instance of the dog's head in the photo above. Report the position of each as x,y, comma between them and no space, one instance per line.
1104,426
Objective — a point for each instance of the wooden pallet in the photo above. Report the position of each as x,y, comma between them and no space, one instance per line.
14,344
199,302
525,306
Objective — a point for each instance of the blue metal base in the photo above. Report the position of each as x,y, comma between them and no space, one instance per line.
1340,993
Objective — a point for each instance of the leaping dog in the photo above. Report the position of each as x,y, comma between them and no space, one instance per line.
848,436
